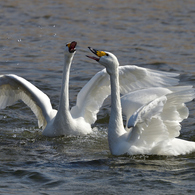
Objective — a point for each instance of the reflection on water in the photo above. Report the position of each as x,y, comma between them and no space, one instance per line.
158,35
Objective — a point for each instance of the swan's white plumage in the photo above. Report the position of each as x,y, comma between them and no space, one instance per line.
145,113
154,118
91,97
131,77
161,117
156,124
14,88
54,123
137,99
78,120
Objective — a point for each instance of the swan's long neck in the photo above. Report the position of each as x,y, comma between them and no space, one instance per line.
115,128
63,110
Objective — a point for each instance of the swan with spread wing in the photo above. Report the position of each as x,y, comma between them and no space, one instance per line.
78,120
54,122
153,115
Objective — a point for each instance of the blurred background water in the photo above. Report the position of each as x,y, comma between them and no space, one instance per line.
154,34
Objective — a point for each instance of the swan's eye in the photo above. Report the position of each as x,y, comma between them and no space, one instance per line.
107,54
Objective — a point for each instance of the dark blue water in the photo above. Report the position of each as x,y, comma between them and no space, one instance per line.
155,34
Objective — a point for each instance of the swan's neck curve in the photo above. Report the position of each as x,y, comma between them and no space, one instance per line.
115,128
63,110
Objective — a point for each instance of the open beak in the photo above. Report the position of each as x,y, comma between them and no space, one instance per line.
72,46
95,52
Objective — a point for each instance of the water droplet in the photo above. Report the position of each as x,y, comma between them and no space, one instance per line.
22,142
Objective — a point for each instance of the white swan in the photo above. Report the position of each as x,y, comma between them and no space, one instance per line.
54,123
78,120
155,116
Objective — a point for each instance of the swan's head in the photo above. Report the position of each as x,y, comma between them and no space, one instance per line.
106,59
70,48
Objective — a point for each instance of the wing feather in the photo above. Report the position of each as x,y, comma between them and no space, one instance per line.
159,120
93,94
91,97
133,78
14,88
145,113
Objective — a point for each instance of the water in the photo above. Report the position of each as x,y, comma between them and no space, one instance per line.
154,34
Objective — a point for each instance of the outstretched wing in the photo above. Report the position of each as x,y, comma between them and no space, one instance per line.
91,97
159,120
145,113
93,94
132,101
14,88
147,128
133,78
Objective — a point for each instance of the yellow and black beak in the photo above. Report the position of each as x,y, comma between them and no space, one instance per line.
72,46
97,53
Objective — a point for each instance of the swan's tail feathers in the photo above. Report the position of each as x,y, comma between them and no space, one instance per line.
182,147
14,88
174,147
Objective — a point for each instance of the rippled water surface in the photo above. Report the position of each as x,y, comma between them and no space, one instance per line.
155,34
